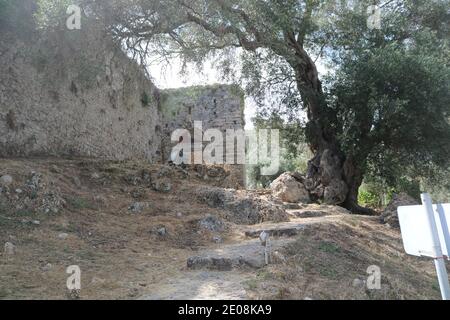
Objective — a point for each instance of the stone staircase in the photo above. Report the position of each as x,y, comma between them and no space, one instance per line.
247,252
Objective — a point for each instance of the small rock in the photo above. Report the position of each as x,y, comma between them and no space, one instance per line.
76,181
212,223
162,186
217,239
179,215
138,193
55,169
73,294
10,249
36,222
63,236
133,292
100,200
6,180
358,283
19,191
162,231
97,281
136,207
47,267
95,176
35,181
308,298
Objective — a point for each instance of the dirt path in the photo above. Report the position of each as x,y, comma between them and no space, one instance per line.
203,285
224,273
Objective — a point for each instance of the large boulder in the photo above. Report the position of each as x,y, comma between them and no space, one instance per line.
289,188
244,207
389,215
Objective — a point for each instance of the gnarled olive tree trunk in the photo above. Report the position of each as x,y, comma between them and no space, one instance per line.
332,176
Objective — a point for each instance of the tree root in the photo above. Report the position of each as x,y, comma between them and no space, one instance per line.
357,209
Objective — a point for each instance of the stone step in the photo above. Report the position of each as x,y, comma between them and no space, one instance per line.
247,254
291,206
278,230
305,213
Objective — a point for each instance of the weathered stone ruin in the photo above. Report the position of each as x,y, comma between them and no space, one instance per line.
77,94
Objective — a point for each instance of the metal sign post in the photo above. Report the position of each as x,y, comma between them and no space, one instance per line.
426,233
436,249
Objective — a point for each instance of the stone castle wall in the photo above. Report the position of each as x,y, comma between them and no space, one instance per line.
217,107
75,93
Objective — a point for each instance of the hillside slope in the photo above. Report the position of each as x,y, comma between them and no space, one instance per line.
141,231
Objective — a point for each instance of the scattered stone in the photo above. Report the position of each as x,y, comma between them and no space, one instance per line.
146,177
358,283
291,206
76,181
47,267
136,207
289,189
101,200
179,215
52,202
63,236
73,294
95,176
54,168
216,172
162,186
36,222
10,249
19,191
212,223
133,180
134,292
217,239
138,193
162,231
389,215
35,181
6,180
97,281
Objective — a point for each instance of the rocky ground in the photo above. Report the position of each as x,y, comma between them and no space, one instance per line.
140,231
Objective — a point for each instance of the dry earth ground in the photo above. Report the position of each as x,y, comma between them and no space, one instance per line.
129,251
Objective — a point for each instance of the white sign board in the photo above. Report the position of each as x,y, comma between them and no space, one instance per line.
417,238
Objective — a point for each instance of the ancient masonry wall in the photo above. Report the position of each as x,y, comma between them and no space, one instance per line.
217,107
75,93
